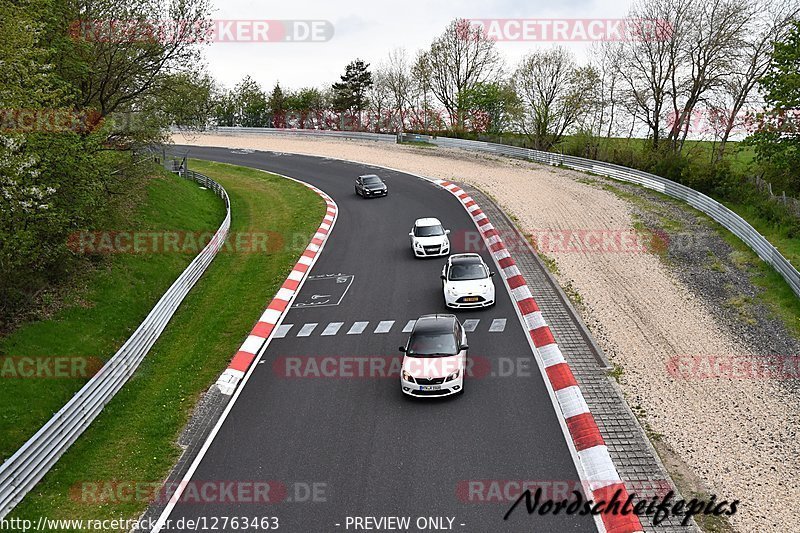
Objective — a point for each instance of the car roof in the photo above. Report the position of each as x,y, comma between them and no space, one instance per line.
427,221
370,176
438,323
465,259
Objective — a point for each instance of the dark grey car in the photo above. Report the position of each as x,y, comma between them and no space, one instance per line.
370,186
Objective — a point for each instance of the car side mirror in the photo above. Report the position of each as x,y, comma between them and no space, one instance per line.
443,276
410,233
491,274
447,232
465,347
403,349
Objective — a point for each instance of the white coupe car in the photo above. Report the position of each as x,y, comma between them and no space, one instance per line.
435,357
429,238
467,282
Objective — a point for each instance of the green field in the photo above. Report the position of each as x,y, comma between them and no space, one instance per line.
134,439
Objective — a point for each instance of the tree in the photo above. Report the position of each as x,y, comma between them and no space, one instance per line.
777,141
769,22
380,97
119,51
649,60
308,105
714,35
251,103
554,95
276,105
424,117
188,99
401,83
459,59
490,107
225,110
350,94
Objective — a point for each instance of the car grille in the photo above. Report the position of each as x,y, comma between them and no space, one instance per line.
470,300
431,392
434,381
432,249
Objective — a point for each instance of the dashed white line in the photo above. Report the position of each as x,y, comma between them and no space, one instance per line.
384,326
306,330
498,325
332,329
358,328
282,331
471,324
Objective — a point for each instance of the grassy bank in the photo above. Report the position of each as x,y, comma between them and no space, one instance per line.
134,438
105,306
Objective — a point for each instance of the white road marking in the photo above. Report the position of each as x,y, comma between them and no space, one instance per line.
358,328
332,329
306,330
471,324
384,326
282,330
498,325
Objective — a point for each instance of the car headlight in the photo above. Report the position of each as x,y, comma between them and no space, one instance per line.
417,244
408,377
454,375
451,291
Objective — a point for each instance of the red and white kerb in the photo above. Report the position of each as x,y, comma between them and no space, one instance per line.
276,309
599,471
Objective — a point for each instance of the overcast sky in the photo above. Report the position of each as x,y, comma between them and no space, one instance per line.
370,29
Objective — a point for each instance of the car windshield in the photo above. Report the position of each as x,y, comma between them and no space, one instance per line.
467,271
372,180
432,345
428,231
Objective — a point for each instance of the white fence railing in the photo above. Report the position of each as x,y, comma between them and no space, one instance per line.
20,473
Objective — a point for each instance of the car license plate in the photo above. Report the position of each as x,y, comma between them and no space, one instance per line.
471,299
430,387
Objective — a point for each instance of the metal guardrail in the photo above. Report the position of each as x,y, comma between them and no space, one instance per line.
727,218
341,134
721,214
20,473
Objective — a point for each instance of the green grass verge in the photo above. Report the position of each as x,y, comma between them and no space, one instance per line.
105,307
134,439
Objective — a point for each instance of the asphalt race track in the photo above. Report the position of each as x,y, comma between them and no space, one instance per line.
370,450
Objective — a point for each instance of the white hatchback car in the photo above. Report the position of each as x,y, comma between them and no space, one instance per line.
429,238
467,282
435,357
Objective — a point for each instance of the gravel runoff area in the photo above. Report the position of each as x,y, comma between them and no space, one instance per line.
737,436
